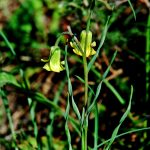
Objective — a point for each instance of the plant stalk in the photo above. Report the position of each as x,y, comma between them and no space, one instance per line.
86,82
85,126
85,123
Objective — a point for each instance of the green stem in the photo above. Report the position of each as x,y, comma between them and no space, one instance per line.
84,130
86,81
85,65
84,138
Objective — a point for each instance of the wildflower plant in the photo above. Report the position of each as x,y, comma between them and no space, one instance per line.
84,48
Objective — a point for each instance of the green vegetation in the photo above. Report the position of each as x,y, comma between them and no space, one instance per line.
74,75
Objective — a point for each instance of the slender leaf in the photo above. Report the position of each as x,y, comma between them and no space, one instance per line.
67,109
68,135
75,124
33,119
100,84
75,108
8,112
84,82
96,124
8,43
125,133
132,9
96,96
83,116
66,124
42,99
114,134
100,45
108,68
114,91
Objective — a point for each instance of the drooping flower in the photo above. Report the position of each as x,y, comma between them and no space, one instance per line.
89,44
54,63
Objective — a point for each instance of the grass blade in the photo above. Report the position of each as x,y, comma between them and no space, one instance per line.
8,43
122,134
32,105
132,9
5,102
42,99
114,134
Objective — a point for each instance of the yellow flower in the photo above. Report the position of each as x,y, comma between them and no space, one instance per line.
89,44
54,63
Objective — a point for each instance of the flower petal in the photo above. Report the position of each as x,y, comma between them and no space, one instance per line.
89,44
54,63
